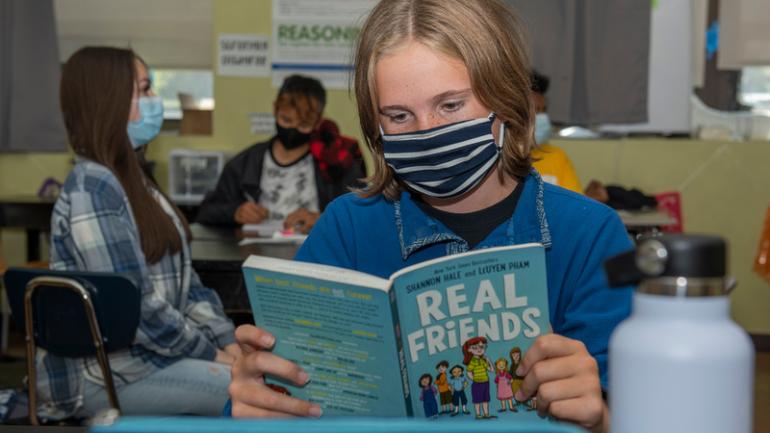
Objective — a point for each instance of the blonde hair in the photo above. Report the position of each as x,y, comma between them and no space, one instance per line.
486,36
505,364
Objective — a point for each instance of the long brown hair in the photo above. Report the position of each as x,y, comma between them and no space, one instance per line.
514,363
467,355
97,87
486,36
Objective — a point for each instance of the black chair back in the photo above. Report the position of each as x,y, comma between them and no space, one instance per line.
61,325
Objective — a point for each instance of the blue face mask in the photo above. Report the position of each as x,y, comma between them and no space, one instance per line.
446,161
149,123
542,128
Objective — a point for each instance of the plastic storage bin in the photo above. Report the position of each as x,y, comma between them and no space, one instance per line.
193,173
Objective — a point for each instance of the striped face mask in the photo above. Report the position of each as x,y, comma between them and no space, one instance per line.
446,161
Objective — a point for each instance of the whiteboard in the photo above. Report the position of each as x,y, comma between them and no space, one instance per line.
670,78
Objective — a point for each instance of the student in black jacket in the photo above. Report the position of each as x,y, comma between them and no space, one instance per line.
292,176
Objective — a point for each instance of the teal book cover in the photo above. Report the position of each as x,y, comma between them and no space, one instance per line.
438,340
465,322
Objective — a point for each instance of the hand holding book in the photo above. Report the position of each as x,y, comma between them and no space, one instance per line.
251,396
356,333
564,378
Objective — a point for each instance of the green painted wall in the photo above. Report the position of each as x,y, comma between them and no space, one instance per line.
725,190
725,185
238,96
235,98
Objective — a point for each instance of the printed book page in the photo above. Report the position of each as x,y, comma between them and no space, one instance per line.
336,324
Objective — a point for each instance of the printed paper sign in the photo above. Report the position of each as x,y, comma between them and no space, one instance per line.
244,56
317,38
262,123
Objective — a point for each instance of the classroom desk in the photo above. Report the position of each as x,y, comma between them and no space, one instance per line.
641,224
217,258
33,214
221,244
216,254
645,219
28,212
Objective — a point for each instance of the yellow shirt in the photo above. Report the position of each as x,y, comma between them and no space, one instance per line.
554,166
478,367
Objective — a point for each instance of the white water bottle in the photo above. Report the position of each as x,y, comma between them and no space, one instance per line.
679,363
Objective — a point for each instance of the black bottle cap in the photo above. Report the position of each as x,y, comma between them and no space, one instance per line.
621,269
693,256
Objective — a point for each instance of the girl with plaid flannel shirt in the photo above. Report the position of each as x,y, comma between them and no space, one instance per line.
111,217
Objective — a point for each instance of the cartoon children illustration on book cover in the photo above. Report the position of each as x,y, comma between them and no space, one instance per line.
517,380
444,391
478,376
503,381
428,396
479,366
458,382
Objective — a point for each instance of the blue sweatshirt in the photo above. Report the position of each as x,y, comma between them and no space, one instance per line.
379,237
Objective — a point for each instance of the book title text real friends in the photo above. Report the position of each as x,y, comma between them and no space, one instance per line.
442,312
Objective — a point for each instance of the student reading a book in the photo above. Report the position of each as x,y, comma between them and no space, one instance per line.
292,176
111,217
443,92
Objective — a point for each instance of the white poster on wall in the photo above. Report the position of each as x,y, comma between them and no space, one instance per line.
244,55
316,38
262,123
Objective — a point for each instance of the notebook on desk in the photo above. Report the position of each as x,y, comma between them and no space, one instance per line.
270,232
276,238
264,229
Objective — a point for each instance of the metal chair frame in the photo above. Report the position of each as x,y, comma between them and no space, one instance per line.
96,335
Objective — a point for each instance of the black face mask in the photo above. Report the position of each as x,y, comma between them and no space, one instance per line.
291,138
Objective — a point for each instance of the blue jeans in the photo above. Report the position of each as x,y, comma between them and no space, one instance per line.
189,386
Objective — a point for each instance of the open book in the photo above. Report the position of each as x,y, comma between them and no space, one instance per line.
435,340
